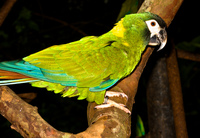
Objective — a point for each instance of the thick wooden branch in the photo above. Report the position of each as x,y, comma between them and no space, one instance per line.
160,114
24,117
26,120
176,94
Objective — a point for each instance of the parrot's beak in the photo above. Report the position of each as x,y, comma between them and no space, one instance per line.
159,38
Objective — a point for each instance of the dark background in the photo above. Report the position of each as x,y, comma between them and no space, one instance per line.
26,31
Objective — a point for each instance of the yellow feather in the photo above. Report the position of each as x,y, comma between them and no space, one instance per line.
126,44
119,29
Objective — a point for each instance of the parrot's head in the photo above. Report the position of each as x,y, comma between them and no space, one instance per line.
148,27
158,34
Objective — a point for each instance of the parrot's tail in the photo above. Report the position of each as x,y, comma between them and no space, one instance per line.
16,72
9,78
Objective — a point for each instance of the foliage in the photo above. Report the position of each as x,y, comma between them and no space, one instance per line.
192,46
24,23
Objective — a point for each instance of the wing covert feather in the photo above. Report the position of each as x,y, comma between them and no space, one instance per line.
88,60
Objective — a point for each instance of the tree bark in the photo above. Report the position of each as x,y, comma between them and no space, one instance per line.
24,117
176,94
188,55
160,114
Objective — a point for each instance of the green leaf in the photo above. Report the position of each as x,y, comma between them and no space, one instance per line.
189,46
25,14
33,26
24,22
3,34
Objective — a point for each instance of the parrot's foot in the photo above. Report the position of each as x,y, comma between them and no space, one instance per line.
117,94
109,103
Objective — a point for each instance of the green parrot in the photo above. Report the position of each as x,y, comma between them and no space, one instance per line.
88,67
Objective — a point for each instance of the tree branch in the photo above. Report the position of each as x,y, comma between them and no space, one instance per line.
24,117
188,55
5,9
61,22
176,94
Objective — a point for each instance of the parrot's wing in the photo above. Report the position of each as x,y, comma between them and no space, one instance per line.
104,85
84,63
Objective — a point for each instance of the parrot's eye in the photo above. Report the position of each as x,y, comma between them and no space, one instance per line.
153,23
153,26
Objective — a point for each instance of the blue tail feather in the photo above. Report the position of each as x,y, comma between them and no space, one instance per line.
30,70
24,68
17,81
54,76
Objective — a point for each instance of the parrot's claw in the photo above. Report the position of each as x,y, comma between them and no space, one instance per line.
109,103
117,94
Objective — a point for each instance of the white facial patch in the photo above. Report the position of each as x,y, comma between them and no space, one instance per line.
153,26
158,35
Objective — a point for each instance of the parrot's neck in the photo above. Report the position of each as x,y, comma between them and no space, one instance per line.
132,49
127,39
